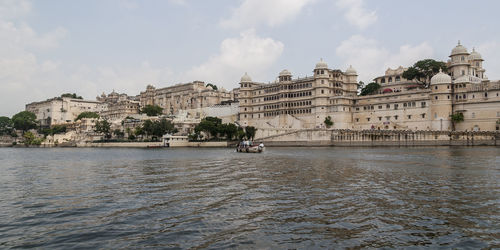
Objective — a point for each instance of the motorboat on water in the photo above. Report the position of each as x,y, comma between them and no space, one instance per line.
248,147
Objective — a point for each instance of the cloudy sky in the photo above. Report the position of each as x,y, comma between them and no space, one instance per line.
51,47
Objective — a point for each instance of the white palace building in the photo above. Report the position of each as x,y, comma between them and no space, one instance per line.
301,103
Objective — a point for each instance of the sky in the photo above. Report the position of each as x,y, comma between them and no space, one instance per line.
50,47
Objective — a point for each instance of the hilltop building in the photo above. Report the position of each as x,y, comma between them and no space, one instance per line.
60,110
183,96
116,106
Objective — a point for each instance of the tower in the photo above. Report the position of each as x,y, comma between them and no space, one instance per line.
441,101
245,99
459,64
476,62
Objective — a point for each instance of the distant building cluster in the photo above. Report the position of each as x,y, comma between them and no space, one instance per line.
305,103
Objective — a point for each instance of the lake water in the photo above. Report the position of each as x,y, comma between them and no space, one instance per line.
64,198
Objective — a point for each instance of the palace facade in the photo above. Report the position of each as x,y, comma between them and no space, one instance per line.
60,110
183,96
296,103
116,106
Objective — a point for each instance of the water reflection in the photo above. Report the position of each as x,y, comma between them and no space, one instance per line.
215,198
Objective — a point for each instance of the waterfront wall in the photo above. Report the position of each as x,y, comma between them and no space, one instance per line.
334,137
153,144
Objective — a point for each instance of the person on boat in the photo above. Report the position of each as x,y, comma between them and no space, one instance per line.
261,145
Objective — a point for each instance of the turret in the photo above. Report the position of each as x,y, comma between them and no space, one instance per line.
321,69
285,76
351,81
476,62
459,64
441,101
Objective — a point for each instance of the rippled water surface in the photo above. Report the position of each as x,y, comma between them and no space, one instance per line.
215,198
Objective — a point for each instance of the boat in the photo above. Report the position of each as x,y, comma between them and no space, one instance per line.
246,147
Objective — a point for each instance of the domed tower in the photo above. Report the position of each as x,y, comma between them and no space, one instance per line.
351,82
321,69
459,64
285,76
321,91
441,97
245,96
476,61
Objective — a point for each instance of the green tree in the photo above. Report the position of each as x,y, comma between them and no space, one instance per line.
328,121
370,89
55,129
103,127
6,125
250,132
74,95
138,131
118,133
152,110
87,114
212,85
229,130
147,127
423,70
456,118
209,125
30,139
24,120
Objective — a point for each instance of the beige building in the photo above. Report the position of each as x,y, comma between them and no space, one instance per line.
60,110
116,106
183,96
399,104
298,102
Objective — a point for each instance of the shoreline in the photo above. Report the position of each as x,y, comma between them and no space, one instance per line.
291,144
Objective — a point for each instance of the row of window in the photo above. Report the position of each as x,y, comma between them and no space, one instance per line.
335,84
395,106
388,118
291,86
396,79
290,112
287,104
271,98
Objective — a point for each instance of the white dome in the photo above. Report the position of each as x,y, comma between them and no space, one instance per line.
459,50
246,78
351,71
474,55
321,65
209,87
440,78
285,73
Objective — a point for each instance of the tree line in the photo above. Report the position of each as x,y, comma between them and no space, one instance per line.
214,129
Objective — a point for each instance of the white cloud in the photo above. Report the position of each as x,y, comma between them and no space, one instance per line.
490,51
10,9
356,14
247,53
270,12
24,78
371,60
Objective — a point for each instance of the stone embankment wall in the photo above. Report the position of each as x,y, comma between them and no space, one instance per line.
335,137
152,144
